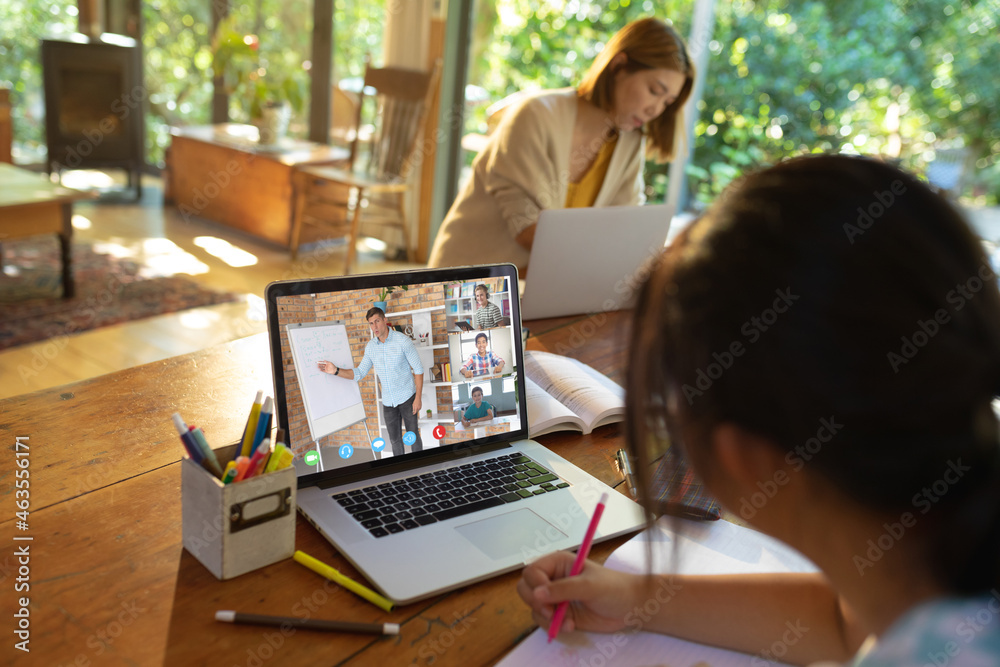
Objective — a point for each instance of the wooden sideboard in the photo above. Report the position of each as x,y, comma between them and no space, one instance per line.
221,173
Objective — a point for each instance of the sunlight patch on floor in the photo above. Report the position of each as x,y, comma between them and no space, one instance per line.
372,244
86,179
199,318
158,257
226,251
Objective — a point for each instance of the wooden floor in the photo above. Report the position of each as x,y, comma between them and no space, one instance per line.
162,240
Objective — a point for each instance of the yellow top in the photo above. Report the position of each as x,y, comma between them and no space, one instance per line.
583,193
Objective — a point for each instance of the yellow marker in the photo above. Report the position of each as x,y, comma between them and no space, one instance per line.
285,460
325,570
230,472
272,462
251,428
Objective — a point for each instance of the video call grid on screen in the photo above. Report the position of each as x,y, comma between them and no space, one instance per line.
429,313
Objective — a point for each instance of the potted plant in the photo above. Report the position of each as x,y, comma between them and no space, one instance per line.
267,88
386,292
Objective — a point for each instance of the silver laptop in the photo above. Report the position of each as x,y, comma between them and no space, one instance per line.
592,260
463,503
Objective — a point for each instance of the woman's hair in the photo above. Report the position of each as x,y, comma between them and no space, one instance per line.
839,308
648,43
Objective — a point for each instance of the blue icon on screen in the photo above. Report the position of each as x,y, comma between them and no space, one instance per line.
378,444
409,438
346,451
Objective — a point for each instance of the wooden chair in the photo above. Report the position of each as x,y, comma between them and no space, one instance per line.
6,126
333,199
343,117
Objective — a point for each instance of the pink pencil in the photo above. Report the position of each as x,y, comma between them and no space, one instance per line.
577,568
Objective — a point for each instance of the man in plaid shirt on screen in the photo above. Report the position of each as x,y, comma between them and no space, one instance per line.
483,361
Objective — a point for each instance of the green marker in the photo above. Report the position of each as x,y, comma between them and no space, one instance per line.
230,473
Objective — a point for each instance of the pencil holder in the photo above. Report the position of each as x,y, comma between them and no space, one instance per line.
238,527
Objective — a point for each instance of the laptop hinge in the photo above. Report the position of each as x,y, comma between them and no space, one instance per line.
423,461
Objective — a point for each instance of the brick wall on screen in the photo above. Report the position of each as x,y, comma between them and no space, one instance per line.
294,310
350,307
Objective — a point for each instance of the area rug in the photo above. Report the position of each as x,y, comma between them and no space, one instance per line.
109,290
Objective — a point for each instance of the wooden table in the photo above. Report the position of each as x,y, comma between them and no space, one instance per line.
110,583
31,204
221,173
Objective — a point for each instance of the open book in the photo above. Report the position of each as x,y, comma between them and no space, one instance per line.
568,395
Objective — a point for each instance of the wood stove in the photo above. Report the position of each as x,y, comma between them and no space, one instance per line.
94,104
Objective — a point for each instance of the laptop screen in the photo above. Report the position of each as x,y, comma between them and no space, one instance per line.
381,369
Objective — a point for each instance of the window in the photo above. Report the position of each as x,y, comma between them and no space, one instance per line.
21,28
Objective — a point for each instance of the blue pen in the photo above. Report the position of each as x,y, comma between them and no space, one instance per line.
190,444
263,423
211,462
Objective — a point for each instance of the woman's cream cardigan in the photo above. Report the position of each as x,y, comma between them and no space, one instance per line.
524,169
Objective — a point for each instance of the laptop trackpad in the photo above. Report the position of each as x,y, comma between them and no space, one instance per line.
521,531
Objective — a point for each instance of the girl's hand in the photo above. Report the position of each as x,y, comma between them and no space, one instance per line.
600,599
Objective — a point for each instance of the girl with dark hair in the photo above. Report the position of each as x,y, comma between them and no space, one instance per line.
855,322
574,147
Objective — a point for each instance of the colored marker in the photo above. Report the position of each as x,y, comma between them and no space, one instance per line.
308,623
257,461
230,472
336,577
263,423
250,430
212,463
577,568
190,444
284,460
242,463
272,462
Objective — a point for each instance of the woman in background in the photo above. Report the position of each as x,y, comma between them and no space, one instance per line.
887,340
571,147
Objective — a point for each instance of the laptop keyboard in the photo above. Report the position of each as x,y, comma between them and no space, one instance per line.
405,504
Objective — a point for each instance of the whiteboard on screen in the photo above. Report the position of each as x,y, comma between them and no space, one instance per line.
331,403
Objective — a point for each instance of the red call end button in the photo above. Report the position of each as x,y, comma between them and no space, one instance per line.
439,431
